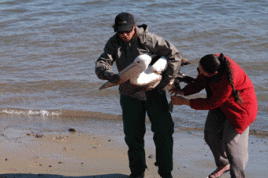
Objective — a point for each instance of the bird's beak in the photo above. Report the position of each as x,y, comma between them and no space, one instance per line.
125,75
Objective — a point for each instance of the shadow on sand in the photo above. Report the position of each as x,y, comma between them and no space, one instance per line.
60,176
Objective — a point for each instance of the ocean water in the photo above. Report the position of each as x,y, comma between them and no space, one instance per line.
48,51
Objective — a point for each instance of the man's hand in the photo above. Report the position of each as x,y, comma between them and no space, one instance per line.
111,77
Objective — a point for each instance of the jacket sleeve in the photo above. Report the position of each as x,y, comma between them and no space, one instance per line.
196,86
220,93
161,47
106,60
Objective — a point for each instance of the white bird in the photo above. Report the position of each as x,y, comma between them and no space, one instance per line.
141,73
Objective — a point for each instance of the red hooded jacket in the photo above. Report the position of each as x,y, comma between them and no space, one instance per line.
219,94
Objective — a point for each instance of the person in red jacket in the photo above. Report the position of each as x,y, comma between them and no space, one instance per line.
232,105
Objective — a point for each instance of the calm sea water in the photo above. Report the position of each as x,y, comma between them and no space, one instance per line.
49,48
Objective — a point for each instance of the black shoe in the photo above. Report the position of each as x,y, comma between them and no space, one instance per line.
134,176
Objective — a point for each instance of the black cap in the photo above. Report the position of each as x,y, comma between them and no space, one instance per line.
124,22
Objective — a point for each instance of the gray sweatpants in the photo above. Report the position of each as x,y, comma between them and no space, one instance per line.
226,144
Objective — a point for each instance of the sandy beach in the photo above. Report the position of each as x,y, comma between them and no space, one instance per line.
101,155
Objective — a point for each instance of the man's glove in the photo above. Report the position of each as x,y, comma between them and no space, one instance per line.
162,84
160,87
111,77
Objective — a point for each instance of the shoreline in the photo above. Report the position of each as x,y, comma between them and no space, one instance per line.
102,153
84,116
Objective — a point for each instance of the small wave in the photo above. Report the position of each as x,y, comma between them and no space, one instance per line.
60,113
8,3
93,3
16,10
30,112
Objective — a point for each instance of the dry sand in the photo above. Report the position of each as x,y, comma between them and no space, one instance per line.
81,155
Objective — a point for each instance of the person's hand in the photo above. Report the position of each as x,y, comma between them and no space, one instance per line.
173,90
111,77
178,100
176,91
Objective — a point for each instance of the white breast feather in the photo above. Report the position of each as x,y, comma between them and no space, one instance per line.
160,65
152,75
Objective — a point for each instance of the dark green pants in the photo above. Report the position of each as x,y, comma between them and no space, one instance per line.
134,112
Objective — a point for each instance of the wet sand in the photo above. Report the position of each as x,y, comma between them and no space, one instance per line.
101,155
34,146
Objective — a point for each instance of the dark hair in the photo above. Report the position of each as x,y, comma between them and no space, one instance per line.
211,63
